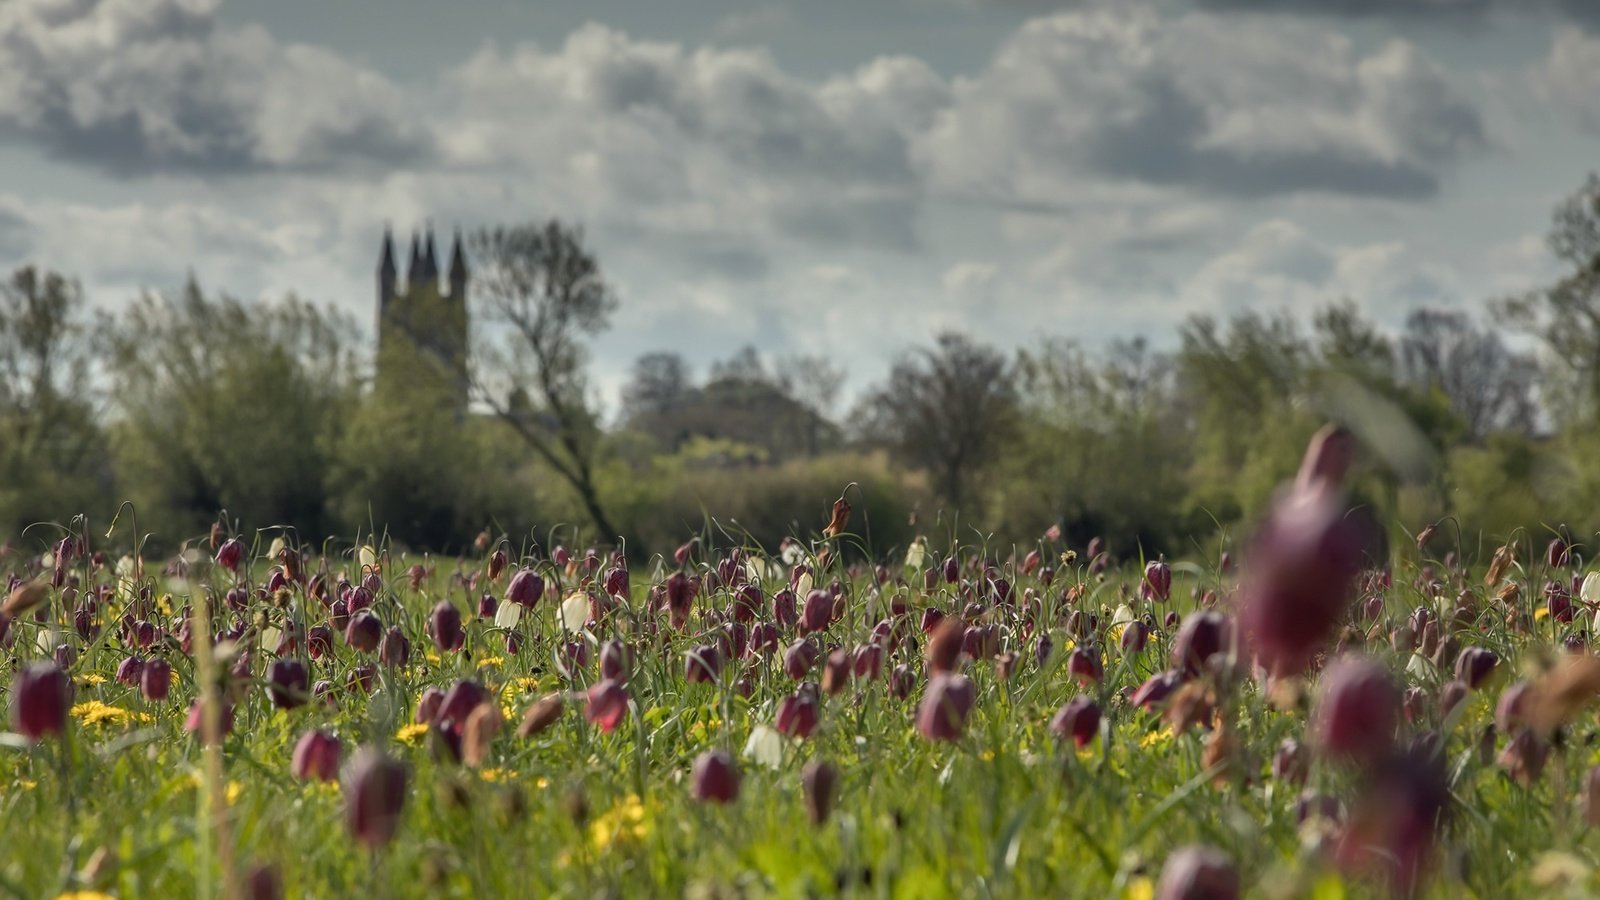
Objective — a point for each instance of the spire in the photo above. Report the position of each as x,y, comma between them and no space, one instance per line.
458,260
386,261
430,259
414,270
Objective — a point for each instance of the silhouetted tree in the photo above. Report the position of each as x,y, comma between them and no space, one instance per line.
1566,315
546,288
945,408
1487,385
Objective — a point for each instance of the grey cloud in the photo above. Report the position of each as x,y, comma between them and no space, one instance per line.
700,136
146,86
1201,102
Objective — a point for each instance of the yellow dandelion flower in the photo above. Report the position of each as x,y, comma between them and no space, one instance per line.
411,735
90,679
26,784
493,775
527,682
95,712
85,895
489,661
1087,751
624,822
1541,614
1141,888
1159,736
431,656
987,756
541,783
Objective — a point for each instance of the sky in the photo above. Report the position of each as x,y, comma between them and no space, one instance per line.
830,177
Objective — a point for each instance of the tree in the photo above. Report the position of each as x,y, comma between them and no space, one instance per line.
52,452
1099,450
227,404
1488,386
546,288
1566,316
946,408
660,384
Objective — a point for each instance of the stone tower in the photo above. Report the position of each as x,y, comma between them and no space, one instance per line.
422,324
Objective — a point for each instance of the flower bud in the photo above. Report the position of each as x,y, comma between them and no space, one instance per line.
288,683
541,715
1474,665
1198,873
364,632
375,796
1077,721
836,672
946,704
817,780
40,696
1083,664
316,756
230,554
445,624
1157,581
395,651
1357,710
1202,636
703,663
428,706
715,777
156,680
797,715
606,704
526,588
799,658
463,697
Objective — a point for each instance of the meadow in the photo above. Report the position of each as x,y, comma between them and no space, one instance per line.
1293,718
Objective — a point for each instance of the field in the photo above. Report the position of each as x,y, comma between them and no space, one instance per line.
802,724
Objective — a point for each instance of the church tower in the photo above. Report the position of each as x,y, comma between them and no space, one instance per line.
423,326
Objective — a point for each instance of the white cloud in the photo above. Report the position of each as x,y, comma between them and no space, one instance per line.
1213,104
138,86
1570,79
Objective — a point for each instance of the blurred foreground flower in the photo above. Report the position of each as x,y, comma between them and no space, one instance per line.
40,696
946,704
716,777
375,796
1198,873
1304,560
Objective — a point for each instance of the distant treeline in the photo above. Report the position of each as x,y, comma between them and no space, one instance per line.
196,405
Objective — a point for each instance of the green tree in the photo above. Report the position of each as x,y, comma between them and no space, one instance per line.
53,461
946,409
227,404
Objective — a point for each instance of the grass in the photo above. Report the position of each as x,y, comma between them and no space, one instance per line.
119,806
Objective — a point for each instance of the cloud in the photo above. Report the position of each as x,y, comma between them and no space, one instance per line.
681,138
1570,79
1245,108
142,86
1278,264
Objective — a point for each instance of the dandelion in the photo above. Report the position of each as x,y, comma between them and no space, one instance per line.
488,662
95,712
412,735
624,823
